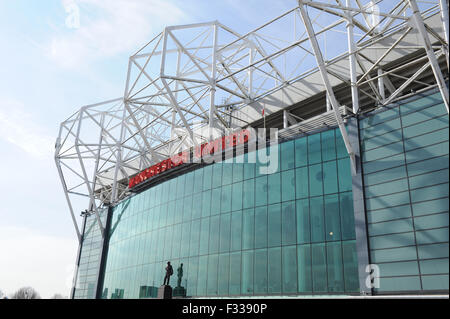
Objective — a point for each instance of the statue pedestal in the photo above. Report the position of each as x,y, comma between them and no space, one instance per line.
179,292
165,292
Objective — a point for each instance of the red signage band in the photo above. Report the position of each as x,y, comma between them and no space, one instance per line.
217,145
163,166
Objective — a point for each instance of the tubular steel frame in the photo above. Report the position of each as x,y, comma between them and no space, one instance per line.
175,81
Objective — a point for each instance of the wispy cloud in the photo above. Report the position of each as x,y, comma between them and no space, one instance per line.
108,28
18,127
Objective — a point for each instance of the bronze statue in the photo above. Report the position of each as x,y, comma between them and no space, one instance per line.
169,272
179,275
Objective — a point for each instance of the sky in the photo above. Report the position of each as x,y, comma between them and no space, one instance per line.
51,64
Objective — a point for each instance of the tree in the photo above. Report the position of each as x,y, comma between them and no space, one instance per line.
26,293
58,296
2,295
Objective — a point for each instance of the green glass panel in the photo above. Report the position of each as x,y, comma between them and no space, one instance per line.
399,268
261,188
207,177
288,225
319,267
332,218
198,180
301,182
191,287
236,230
248,229
431,192
212,281
387,214
235,273
204,236
335,267
426,139
432,221
392,241
214,234
274,275
383,164
185,238
289,273
225,230
426,152
347,215
380,118
226,199
423,115
189,185
261,227
227,173
216,197
425,127
187,209
330,182
274,192
430,207
196,205
274,225
195,238
433,251
248,193
391,227
387,201
383,128
350,260
303,222
381,140
434,266
317,219
217,175
421,102
385,175
301,152
249,165
314,149
247,272
345,176
304,268
386,188
238,170
223,274
431,236
429,179
236,200
394,254
436,282
288,185
328,145
406,283
260,271
341,150
315,180
287,155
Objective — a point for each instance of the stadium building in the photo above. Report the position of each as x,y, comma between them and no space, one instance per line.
307,157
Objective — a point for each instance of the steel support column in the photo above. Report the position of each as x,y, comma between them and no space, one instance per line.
326,81
417,18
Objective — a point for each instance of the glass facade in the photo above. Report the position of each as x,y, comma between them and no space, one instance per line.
239,232
90,257
405,154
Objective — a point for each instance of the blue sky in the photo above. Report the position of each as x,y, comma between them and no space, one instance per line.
49,71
